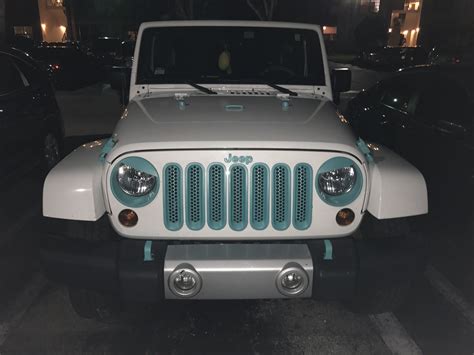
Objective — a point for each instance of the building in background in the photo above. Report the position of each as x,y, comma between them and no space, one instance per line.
53,20
405,24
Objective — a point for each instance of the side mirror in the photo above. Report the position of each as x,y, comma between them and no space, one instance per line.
341,79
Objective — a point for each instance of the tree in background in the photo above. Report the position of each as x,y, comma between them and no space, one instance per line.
264,9
371,33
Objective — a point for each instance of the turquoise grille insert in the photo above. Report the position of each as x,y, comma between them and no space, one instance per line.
173,197
216,213
238,198
195,197
259,199
302,196
281,197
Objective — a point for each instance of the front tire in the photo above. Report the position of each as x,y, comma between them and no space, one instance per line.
51,151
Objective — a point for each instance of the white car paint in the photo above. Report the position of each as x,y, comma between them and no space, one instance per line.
397,188
73,189
174,123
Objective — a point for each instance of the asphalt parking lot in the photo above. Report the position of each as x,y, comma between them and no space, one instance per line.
36,317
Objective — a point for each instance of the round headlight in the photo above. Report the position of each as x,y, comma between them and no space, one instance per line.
339,181
135,182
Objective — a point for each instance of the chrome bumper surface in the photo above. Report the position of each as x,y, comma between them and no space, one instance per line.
239,271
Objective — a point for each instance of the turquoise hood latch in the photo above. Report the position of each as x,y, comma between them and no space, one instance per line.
108,146
364,149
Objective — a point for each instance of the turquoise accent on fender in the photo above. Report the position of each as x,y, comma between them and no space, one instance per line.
195,215
132,201
260,201
147,253
327,249
238,215
281,179
108,146
364,149
173,197
302,196
216,196
344,199
234,108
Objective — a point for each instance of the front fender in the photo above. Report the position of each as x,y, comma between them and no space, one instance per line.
397,188
73,189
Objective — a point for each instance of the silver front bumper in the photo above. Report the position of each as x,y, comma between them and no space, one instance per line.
239,271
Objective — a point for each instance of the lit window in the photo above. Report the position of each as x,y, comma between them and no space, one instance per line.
375,5
26,31
54,3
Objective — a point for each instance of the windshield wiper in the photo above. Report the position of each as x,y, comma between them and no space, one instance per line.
282,89
202,88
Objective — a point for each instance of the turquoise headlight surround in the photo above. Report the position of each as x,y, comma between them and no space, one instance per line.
132,201
344,199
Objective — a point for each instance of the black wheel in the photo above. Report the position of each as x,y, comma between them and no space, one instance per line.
93,305
51,151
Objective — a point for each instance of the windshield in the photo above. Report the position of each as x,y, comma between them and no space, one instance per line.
230,55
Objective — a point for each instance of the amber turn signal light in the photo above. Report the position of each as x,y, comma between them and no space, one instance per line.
128,218
345,217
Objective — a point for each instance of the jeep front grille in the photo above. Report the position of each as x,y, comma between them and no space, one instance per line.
195,197
259,198
216,197
238,196
173,197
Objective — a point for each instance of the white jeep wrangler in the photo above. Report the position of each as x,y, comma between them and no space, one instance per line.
231,175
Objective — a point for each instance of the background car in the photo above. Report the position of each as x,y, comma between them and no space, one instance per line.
393,58
426,115
30,120
105,49
69,67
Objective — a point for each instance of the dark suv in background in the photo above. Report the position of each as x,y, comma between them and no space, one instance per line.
425,114
30,120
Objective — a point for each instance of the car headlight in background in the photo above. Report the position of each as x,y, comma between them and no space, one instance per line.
134,182
339,181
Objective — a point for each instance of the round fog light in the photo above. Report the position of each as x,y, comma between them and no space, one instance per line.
292,280
128,218
345,217
184,281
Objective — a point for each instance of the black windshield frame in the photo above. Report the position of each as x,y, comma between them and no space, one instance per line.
176,55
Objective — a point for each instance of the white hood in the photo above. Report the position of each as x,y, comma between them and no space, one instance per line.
157,121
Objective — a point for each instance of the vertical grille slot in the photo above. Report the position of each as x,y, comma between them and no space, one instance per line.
216,216
281,197
302,196
238,198
195,197
259,198
173,197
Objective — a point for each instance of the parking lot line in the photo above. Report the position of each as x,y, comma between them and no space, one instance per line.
394,334
450,293
11,317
